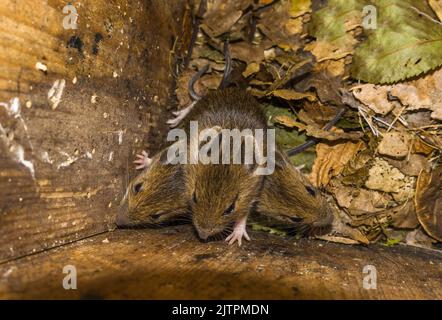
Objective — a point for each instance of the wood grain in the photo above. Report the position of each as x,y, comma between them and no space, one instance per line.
82,151
171,263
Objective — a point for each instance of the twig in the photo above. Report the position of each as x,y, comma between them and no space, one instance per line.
397,117
425,15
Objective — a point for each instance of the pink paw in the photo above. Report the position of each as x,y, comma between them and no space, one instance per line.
143,160
180,115
238,233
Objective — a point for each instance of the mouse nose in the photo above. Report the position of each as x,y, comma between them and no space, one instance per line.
122,219
325,221
203,234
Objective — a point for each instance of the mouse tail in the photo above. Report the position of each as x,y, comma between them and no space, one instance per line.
228,66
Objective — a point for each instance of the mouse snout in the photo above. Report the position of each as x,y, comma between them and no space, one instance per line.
122,219
204,234
325,220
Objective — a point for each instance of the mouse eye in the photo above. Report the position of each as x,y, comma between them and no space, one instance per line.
138,187
157,215
194,197
311,190
230,209
296,219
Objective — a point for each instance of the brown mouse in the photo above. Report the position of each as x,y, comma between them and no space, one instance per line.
156,195
223,194
289,199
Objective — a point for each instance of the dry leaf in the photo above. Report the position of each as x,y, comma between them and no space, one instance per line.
337,239
341,228
360,200
421,147
221,15
332,135
211,81
394,144
324,50
418,238
294,26
412,165
404,216
287,121
276,25
247,53
384,177
423,93
251,69
327,88
374,97
330,161
428,202
336,68
436,5
288,94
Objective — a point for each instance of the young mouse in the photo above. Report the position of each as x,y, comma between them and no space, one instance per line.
222,194
156,195
290,199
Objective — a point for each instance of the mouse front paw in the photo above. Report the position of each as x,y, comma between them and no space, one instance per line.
239,231
143,161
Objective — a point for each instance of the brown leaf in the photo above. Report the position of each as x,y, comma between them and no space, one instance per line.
211,81
423,93
330,161
418,238
324,50
339,227
436,5
421,147
251,69
287,121
374,97
326,85
299,7
412,165
247,53
360,200
276,24
404,216
428,201
384,177
222,15
332,135
394,144
288,94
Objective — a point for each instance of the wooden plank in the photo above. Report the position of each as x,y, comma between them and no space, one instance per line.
171,263
82,151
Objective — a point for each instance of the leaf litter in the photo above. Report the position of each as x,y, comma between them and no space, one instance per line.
380,165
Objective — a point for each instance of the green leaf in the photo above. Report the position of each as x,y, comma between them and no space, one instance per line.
333,22
391,242
405,43
259,227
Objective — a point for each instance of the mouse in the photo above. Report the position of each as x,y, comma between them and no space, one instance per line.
221,195
156,195
291,201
